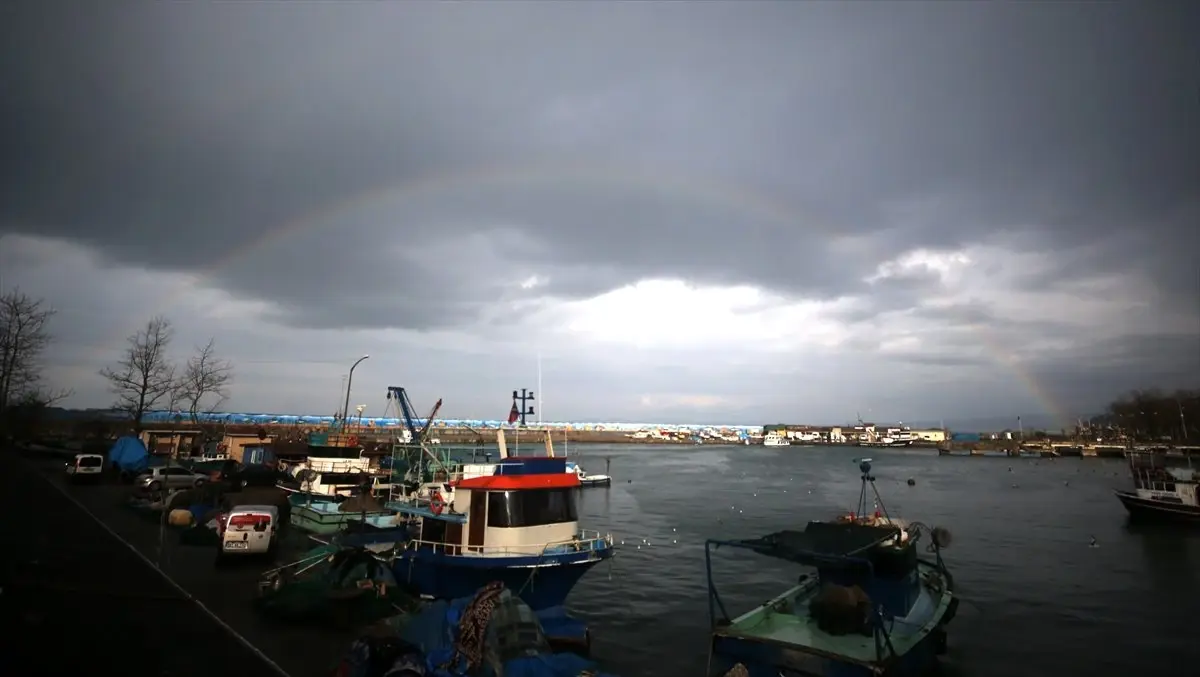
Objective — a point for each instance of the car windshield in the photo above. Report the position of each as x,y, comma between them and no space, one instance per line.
90,462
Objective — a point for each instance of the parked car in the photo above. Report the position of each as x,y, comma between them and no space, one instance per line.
156,479
247,530
239,477
85,467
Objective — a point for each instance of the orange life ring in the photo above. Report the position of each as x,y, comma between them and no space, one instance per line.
352,441
222,448
436,504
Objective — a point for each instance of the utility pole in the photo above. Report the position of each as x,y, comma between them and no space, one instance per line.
524,409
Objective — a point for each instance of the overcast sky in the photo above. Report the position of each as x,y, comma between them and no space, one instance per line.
696,212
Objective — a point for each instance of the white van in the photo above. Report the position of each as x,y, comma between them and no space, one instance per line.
247,530
85,467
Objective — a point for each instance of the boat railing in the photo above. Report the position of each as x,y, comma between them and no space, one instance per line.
584,541
879,629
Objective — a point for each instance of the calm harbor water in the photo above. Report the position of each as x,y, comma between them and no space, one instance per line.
1038,600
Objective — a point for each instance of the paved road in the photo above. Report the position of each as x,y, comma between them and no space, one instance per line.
83,600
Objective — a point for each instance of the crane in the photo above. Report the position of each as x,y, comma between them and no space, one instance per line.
414,452
399,396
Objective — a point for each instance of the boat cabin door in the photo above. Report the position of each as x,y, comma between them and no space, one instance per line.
477,520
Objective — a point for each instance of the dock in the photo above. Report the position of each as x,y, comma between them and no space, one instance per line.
77,579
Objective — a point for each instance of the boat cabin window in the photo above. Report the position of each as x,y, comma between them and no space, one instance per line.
531,507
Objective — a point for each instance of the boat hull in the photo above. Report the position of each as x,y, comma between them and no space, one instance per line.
601,481
772,660
323,518
542,582
769,653
1148,510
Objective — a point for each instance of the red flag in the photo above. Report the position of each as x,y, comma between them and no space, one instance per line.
513,414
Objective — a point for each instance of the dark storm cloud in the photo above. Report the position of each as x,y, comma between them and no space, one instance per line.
173,135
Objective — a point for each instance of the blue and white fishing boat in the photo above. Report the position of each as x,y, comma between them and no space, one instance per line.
874,606
517,525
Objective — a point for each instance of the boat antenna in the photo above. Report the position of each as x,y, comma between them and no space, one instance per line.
864,466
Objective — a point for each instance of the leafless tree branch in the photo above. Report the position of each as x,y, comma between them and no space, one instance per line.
205,377
145,375
24,337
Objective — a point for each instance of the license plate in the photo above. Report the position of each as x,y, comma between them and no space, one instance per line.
237,545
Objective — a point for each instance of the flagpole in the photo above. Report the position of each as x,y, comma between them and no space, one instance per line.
539,387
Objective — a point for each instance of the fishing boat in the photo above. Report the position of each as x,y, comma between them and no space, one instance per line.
518,526
873,606
1160,493
327,517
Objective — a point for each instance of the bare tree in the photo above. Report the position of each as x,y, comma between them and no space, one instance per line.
145,375
205,376
24,336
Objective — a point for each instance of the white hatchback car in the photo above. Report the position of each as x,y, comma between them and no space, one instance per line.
85,467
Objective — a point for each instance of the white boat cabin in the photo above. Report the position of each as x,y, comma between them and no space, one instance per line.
524,507
1155,482
340,476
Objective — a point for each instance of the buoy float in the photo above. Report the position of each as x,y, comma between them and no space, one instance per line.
436,504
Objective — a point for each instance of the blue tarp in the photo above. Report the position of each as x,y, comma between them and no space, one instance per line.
435,629
128,453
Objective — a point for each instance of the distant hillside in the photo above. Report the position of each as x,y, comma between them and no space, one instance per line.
1029,422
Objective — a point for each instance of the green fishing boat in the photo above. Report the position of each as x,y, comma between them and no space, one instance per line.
329,517
874,607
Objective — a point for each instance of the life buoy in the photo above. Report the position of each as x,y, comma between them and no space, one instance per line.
222,448
352,441
436,504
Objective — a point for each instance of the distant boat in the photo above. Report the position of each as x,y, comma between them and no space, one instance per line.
875,607
587,479
774,439
1160,494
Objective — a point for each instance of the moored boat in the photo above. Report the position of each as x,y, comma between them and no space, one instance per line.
518,526
326,517
1160,493
873,607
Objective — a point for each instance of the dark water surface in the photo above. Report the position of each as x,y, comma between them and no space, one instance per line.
1037,599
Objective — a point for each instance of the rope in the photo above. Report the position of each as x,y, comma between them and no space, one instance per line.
738,670
472,627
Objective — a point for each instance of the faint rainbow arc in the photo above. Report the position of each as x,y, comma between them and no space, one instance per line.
725,195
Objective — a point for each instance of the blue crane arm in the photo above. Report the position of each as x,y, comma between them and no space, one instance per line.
406,408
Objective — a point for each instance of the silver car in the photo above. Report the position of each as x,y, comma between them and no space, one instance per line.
156,479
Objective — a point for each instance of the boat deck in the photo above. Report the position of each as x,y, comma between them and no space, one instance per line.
785,620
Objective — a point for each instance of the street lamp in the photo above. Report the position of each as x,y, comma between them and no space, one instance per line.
349,382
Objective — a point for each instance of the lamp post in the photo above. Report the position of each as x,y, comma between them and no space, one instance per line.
349,382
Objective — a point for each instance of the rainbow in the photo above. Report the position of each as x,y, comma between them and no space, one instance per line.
690,189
